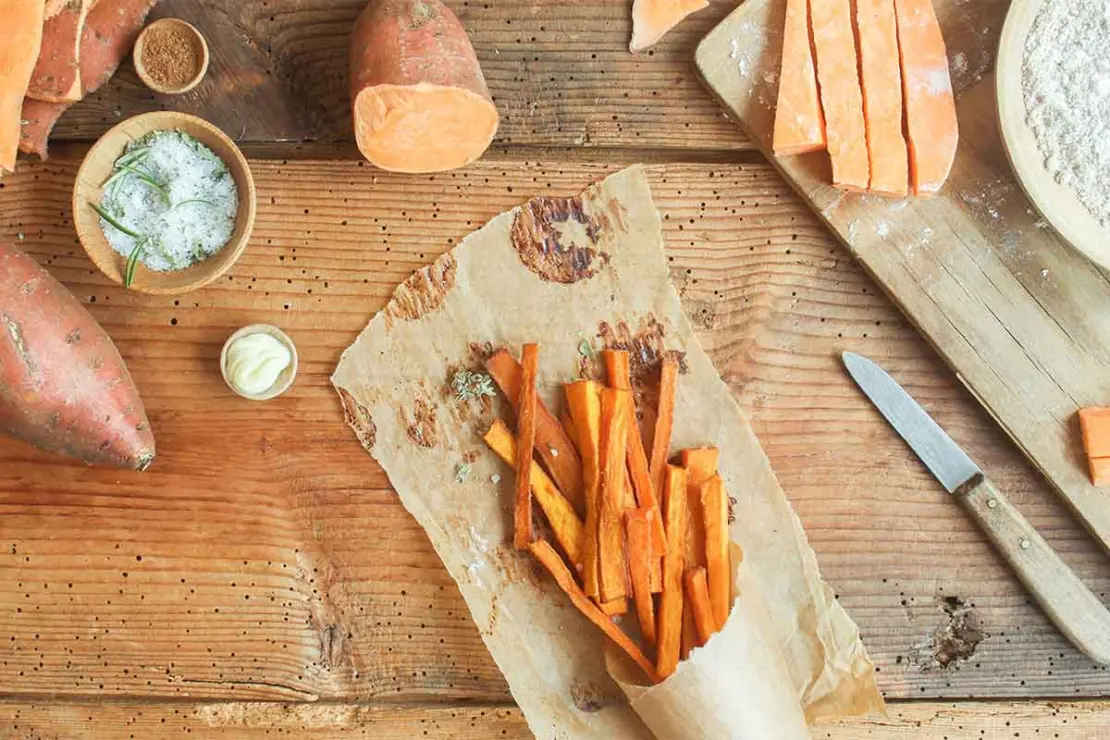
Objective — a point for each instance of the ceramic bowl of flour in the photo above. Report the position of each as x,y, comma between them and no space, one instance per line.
1053,86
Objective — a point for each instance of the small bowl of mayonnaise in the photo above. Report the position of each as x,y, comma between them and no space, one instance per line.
259,362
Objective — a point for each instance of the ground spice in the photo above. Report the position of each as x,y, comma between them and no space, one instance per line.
171,56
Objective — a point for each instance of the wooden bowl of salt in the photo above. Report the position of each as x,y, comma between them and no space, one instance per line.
171,56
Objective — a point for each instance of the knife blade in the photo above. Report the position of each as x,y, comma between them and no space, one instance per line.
1072,607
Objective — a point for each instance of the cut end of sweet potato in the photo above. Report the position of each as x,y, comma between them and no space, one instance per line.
423,128
651,19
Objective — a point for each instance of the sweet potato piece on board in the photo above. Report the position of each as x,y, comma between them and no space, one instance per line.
565,524
1100,471
110,32
418,96
671,602
584,402
651,19
23,20
612,560
550,560
525,445
57,74
555,448
640,556
63,385
1094,423
799,122
931,124
881,82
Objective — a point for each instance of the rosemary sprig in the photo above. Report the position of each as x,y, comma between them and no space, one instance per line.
148,180
110,219
133,262
119,171
194,200
462,472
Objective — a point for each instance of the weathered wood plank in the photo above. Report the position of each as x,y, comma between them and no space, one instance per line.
247,721
560,73
275,562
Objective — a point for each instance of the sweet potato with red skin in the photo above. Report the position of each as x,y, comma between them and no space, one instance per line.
57,74
418,96
63,386
110,31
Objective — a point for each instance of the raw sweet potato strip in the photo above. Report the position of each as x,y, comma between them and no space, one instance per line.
620,376
664,423
545,553
799,122
640,555
523,535
881,82
697,601
565,524
612,562
671,602
651,19
584,403
1094,424
714,506
555,448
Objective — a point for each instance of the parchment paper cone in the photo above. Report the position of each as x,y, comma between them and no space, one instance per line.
736,687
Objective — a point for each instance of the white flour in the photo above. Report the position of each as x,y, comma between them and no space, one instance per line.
1066,86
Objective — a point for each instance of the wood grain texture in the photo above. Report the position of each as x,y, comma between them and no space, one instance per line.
261,721
560,74
264,556
1022,317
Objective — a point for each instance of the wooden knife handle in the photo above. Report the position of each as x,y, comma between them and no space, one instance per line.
1065,599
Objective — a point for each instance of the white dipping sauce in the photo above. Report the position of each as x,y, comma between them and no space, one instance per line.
255,362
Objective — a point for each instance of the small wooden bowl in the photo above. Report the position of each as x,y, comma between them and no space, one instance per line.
200,46
284,381
98,166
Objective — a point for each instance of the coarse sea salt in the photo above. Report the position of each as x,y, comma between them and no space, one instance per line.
187,218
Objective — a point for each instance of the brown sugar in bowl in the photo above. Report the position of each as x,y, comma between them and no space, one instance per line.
97,167
171,56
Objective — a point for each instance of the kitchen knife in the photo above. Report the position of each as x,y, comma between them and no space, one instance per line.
1068,603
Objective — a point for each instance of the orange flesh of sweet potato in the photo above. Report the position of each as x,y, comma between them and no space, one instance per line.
664,423
1100,471
927,89
554,447
525,446
565,524
881,82
1094,423
671,602
562,575
799,122
697,602
715,512
57,74
651,19
63,385
22,39
584,402
612,560
110,31
640,556
418,96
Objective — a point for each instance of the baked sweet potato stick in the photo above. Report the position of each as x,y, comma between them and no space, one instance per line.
697,601
701,465
523,535
620,376
714,506
614,608
567,424
550,560
640,556
612,565
584,403
671,601
565,524
664,423
555,448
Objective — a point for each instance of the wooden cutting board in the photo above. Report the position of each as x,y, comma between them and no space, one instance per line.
1022,317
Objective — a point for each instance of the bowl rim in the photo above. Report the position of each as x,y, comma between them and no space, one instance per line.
140,68
284,381
235,161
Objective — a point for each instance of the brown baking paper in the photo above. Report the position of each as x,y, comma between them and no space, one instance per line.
578,274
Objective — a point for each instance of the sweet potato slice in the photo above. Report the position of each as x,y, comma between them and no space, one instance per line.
881,83
671,602
418,96
651,19
63,385
931,124
714,506
698,603
834,42
550,560
584,402
23,21
110,31
1100,471
525,445
799,122
565,524
57,74
640,556
664,423
1094,424
554,447
612,560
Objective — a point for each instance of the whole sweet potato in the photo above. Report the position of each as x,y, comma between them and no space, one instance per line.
63,385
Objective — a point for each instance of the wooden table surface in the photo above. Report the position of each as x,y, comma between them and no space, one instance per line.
262,579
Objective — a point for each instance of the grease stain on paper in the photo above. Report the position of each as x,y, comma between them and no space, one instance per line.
558,239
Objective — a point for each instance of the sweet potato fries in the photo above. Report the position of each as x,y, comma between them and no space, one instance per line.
628,532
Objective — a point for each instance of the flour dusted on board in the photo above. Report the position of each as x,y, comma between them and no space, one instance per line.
1066,86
